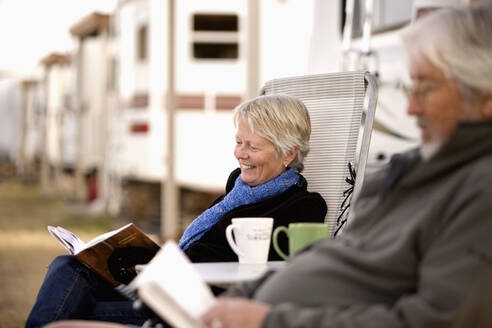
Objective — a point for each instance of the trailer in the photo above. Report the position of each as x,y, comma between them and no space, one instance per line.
21,108
214,40
10,105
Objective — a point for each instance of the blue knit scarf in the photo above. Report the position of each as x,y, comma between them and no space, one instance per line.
241,194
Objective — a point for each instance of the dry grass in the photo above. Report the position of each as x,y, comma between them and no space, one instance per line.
26,248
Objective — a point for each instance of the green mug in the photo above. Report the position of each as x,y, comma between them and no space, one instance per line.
299,234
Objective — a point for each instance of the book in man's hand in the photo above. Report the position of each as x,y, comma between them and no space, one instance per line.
112,255
173,289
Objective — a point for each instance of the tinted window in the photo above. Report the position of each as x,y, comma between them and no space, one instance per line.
387,15
208,22
215,36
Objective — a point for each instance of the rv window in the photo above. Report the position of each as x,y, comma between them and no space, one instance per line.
142,43
387,15
215,36
215,50
207,22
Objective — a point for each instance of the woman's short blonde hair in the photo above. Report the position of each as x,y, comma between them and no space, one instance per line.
282,120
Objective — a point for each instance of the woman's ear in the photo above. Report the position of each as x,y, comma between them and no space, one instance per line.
290,156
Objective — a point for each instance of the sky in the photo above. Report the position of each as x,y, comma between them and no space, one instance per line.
32,29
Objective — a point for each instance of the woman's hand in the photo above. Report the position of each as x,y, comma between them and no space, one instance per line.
236,312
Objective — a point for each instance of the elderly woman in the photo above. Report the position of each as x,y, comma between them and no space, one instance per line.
272,141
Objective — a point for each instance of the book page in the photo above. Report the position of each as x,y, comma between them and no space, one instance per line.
172,272
104,236
165,307
69,240
73,243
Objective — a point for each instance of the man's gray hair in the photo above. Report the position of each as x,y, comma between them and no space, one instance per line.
282,120
458,41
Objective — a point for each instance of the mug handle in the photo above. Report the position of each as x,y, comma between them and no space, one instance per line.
275,242
231,242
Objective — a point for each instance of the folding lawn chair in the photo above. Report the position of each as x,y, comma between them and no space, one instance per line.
335,102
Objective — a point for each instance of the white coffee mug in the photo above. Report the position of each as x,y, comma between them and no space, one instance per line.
251,240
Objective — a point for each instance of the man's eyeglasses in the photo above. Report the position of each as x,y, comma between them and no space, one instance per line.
421,90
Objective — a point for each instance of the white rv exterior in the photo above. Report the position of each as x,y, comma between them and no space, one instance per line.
32,127
57,91
22,124
91,104
207,90
295,37
10,111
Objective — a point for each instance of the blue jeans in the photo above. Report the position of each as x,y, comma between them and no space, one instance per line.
72,291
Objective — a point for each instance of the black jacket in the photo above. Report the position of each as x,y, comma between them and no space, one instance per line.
295,204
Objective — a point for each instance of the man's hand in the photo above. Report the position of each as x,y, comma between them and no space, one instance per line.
236,312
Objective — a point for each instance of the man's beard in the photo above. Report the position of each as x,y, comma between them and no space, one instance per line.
429,148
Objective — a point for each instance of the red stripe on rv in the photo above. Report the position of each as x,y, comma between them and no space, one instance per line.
139,128
227,102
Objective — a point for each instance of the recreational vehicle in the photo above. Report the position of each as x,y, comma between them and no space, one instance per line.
91,105
215,42
21,130
10,99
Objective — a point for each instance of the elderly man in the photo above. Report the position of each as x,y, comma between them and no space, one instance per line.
422,228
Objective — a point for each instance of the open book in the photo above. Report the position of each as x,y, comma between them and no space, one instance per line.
112,255
171,287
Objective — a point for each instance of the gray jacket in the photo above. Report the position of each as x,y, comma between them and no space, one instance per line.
421,233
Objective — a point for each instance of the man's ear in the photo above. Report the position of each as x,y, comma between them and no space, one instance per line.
486,109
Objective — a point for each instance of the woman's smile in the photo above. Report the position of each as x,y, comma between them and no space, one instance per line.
256,155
